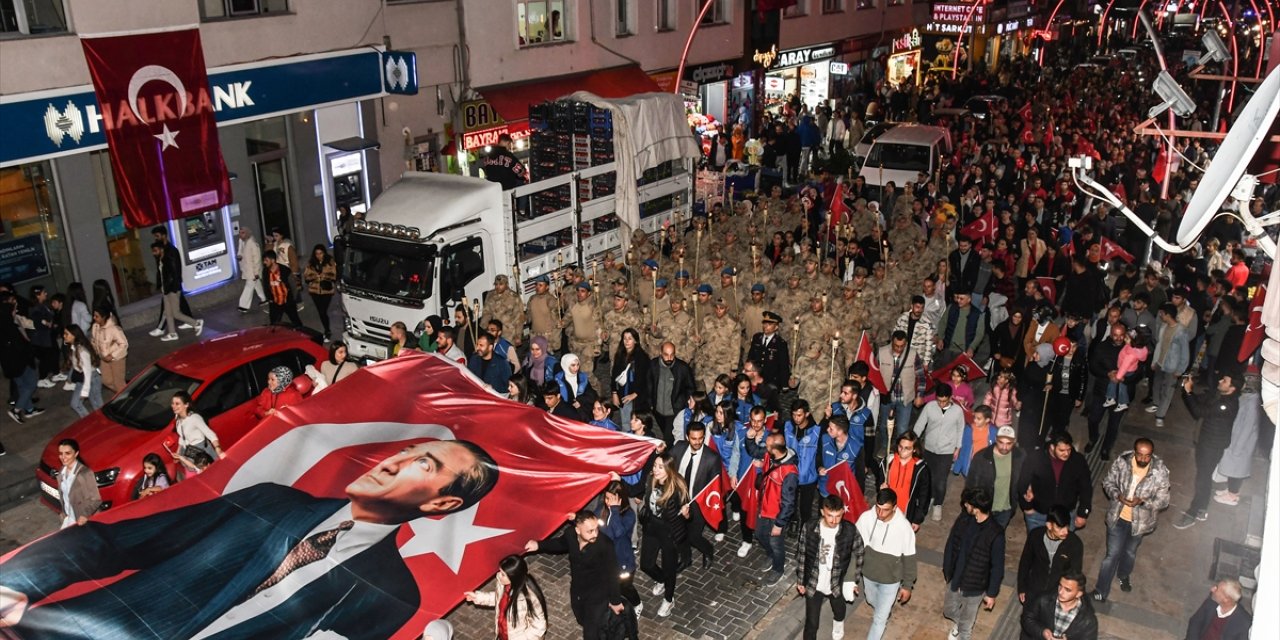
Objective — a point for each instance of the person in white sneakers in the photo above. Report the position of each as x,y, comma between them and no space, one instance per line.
828,546
889,559
249,256
169,281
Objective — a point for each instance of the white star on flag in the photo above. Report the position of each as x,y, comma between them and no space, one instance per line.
168,138
448,537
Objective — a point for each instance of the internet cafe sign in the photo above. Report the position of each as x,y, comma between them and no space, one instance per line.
774,59
955,13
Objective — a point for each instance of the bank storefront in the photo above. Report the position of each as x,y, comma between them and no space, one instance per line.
298,138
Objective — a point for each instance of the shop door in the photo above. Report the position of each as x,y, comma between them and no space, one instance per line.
272,184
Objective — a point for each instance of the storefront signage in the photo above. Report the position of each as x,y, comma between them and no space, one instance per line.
66,121
958,12
479,114
907,41
400,72
772,58
839,68
946,27
709,73
480,139
23,259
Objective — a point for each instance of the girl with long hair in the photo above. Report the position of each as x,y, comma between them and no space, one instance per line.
84,371
630,373
520,610
154,477
321,277
77,309
112,346
664,508
618,521
193,432
337,366
518,389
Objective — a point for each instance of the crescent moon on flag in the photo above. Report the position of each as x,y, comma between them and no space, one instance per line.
160,74
285,459
714,501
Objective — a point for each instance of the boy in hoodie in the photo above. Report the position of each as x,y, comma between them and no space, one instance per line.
778,484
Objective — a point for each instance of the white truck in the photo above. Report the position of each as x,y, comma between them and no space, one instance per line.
433,241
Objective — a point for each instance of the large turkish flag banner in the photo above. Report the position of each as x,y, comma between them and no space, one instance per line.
389,440
158,115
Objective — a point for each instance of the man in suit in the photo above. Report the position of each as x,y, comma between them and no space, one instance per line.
770,352
248,564
670,383
700,467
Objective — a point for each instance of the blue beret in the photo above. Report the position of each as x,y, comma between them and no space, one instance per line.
584,285
728,271
662,282
651,263
704,288
682,274
757,287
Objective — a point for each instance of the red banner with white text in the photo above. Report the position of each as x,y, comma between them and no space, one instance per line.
153,92
427,479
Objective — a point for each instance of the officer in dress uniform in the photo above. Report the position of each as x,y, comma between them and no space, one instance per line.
769,351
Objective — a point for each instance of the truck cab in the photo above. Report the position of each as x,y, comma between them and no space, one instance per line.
903,151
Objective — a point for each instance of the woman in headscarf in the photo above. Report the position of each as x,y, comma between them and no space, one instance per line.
540,365
575,386
427,332
280,393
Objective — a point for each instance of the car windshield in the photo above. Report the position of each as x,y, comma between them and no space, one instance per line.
147,402
905,157
388,267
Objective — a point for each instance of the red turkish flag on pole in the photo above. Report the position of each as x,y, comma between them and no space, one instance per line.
981,230
448,477
1112,250
748,496
842,483
1256,331
1049,287
158,116
711,499
975,371
867,354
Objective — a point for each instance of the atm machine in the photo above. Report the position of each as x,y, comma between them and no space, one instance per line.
347,181
204,243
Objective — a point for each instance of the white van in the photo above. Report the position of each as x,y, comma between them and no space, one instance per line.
904,151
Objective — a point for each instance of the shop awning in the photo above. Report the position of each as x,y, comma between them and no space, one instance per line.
512,101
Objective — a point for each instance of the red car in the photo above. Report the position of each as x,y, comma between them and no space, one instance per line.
224,377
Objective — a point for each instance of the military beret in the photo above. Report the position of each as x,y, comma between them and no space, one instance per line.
757,287
584,285
728,271
543,279
651,263
704,288
682,274
661,283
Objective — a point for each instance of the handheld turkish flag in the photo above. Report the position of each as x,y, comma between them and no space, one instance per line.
867,354
981,230
974,371
159,121
448,477
711,499
1112,250
1256,331
840,479
748,496
1049,287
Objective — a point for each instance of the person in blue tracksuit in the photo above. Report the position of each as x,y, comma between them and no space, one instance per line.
804,437
837,448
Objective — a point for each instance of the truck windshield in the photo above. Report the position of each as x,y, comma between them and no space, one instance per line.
906,157
145,402
389,267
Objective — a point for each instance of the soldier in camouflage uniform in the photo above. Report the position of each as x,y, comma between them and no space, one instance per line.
721,344
544,313
504,305
817,326
675,326
701,306
644,284
791,301
582,324
729,292
851,316
753,313
621,316
809,376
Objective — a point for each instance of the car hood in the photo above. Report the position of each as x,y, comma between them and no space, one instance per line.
103,442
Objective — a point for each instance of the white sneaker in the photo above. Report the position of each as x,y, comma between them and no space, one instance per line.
1160,422
69,386
1109,402
837,629
46,384
665,609
719,537
187,325
1121,408
199,326
639,609
955,631
744,549
169,338
936,516
156,333
1152,409
736,516
58,377
657,589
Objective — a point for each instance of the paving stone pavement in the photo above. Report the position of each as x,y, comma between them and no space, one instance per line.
724,602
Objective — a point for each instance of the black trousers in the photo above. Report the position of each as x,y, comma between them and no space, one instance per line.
664,427
1097,413
658,542
590,613
939,473
290,308
806,496
813,611
322,301
627,586
1060,407
693,537
1206,460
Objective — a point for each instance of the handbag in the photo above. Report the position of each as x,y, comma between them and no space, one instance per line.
77,376
205,447
326,286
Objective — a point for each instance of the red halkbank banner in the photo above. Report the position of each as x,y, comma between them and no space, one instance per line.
418,480
158,117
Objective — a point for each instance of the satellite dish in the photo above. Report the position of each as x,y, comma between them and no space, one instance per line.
1242,142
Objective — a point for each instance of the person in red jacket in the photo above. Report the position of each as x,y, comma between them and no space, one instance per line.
280,393
778,484
1238,274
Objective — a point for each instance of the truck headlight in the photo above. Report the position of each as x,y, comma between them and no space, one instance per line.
107,477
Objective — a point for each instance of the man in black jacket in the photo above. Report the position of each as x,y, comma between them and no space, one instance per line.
893,469
593,571
1222,604
169,282
670,383
972,563
1103,366
1057,476
964,263
999,466
1217,415
699,466
827,548
769,351
1052,551
1065,613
